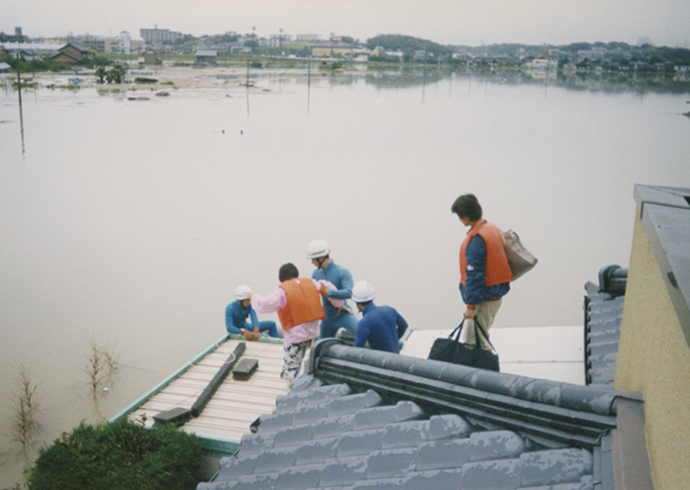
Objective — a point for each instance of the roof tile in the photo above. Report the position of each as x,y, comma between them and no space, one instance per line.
391,463
497,474
440,479
405,434
299,477
275,458
555,466
343,471
437,455
316,451
360,442
448,425
381,416
495,445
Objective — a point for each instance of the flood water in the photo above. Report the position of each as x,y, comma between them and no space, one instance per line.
129,223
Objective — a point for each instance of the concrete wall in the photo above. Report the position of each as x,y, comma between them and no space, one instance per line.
654,359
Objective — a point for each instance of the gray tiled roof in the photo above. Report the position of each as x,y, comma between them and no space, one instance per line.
603,317
368,419
326,436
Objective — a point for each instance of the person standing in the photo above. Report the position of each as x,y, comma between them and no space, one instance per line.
484,270
297,302
319,252
237,312
381,326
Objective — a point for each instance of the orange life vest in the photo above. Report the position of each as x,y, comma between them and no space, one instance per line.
303,303
497,267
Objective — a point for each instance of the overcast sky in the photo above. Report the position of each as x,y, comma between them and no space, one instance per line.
465,22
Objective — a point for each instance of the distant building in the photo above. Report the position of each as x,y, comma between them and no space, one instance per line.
159,35
336,47
17,38
206,57
309,38
125,42
103,44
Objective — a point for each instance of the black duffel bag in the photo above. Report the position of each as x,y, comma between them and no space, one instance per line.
452,350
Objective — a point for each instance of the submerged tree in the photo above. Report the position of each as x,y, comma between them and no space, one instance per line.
25,411
116,74
102,369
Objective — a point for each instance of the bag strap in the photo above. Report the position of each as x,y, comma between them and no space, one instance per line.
483,332
458,329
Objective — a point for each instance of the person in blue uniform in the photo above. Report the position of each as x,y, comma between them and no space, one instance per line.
381,326
238,311
327,270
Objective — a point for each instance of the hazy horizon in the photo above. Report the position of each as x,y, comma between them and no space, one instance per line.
468,22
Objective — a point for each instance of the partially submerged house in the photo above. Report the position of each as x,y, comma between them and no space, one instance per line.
206,57
70,53
151,58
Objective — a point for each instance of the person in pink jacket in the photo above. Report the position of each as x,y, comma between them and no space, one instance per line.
298,304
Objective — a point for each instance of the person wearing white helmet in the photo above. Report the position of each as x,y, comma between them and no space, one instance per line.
238,311
319,253
381,326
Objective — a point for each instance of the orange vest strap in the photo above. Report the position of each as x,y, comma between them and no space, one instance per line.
303,303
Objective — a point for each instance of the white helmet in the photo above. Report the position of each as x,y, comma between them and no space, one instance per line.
242,292
363,292
317,249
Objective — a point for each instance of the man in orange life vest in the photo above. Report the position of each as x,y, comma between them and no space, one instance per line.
298,303
484,271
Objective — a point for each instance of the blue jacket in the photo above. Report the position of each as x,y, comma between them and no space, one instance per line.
382,326
475,291
341,279
236,317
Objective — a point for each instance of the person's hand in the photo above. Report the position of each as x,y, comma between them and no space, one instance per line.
469,313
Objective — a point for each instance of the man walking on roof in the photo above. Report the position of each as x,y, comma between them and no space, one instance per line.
381,326
484,270
319,252
297,301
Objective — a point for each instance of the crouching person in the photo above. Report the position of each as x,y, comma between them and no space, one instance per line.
298,303
381,326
